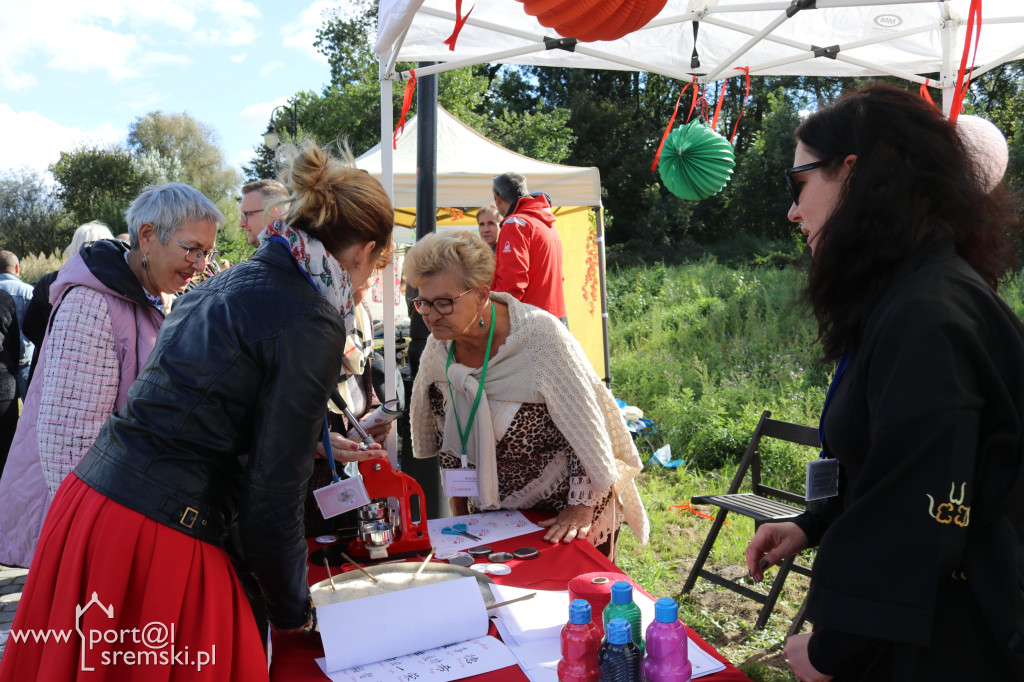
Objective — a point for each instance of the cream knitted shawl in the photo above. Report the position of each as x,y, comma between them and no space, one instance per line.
540,362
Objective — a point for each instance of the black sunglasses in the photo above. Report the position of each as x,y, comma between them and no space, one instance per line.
794,189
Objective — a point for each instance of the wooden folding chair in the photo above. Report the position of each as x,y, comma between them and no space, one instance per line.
763,503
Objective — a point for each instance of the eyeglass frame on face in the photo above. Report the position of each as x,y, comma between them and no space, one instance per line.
246,214
207,255
418,302
794,191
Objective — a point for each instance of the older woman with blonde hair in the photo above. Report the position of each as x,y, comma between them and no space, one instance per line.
506,393
216,437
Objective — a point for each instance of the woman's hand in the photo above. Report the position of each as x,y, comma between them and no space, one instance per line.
796,656
573,522
772,543
346,451
458,505
380,432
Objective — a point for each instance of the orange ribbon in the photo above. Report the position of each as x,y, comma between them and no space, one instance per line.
410,87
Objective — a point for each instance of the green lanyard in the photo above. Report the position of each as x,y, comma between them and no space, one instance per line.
464,435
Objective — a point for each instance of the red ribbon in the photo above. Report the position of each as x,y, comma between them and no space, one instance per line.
718,106
743,107
924,92
962,83
460,21
680,508
671,121
410,87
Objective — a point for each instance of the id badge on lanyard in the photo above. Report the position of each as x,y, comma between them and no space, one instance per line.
464,482
823,473
461,482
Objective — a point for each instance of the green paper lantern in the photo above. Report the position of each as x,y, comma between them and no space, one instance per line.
696,162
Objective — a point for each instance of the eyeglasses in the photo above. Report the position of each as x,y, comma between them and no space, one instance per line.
199,253
794,189
246,214
443,306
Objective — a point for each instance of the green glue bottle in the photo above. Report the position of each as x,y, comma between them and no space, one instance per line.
623,606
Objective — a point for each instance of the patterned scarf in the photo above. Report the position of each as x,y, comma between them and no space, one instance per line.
323,269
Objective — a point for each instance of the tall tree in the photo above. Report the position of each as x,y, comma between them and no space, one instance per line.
190,143
31,221
98,184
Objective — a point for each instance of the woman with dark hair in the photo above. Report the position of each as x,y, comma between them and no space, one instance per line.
217,435
918,570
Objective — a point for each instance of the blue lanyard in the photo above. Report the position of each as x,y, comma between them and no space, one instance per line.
844,360
326,435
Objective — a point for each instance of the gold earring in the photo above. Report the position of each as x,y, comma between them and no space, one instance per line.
145,261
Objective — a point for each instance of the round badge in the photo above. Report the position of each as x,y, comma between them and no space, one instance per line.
526,553
480,568
498,569
482,550
326,539
461,559
500,557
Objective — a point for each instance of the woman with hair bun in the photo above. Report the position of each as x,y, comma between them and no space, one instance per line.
920,561
216,437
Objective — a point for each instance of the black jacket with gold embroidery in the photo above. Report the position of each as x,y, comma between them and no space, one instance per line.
920,560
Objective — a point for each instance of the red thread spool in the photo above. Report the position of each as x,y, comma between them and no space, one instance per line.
596,589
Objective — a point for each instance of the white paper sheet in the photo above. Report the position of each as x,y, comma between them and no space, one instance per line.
417,619
538,655
452,662
537,618
488,526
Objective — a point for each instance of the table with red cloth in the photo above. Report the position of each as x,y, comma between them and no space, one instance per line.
294,656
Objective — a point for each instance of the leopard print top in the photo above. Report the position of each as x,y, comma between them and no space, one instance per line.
536,466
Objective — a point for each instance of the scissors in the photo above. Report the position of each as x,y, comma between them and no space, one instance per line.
459,529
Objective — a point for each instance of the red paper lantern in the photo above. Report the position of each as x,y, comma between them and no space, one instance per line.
590,20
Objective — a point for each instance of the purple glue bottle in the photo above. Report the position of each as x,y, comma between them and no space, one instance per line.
581,639
666,645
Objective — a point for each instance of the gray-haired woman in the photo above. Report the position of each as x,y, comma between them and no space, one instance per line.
109,302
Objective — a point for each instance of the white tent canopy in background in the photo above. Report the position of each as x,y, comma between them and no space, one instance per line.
876,37
467,163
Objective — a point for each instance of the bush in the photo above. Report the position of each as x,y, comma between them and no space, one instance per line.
703,349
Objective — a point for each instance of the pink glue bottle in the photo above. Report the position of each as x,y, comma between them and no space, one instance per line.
666,645
581,639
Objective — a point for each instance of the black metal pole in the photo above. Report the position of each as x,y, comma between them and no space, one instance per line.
426,154
425,471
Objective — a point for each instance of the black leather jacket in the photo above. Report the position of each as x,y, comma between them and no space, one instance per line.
222,422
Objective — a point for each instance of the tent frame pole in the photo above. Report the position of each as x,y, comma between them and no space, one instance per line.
387,178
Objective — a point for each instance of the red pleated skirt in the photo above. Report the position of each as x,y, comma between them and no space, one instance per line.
114,595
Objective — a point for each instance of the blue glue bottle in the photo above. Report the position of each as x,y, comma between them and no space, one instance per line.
619,658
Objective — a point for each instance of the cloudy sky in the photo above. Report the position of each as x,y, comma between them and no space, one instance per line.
74,72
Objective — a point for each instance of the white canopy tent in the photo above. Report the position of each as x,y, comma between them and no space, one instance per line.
467,163
921,41
910,39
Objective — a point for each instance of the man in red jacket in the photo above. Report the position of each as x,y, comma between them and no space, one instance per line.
528,259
